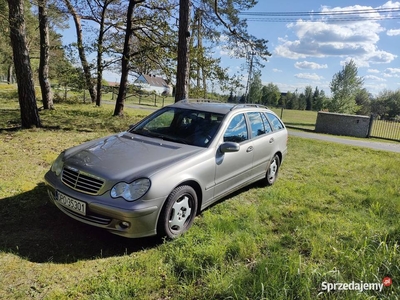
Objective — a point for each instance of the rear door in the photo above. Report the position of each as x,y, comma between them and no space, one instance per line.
280,134
261,133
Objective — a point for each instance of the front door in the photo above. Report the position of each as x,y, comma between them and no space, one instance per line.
235,168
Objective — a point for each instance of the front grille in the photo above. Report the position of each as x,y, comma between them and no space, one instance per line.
81,181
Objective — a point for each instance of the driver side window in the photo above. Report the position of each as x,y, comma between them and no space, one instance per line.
237,130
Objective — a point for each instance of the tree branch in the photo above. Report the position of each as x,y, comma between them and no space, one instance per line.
232,31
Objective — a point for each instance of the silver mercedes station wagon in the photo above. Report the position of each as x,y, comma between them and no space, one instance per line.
155,177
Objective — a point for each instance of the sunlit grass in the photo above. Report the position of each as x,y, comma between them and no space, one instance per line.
297,118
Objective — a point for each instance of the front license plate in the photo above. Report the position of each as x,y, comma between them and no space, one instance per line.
72,204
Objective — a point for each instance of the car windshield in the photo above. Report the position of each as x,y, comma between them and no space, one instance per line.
191,127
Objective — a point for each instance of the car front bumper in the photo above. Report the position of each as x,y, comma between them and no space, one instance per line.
138,220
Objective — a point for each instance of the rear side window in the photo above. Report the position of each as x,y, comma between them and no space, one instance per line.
237,130
276,124
267,126
256,124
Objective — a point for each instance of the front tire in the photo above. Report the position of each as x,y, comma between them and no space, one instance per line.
273,169
178,213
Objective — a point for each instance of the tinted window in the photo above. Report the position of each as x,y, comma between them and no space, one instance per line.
256,123
267,126
276,124
237,130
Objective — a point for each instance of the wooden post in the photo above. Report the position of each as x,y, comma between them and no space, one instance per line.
371,121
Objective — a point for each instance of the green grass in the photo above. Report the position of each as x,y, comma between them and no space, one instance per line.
333,215
302,119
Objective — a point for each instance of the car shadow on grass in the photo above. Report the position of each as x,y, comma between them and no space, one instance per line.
34,229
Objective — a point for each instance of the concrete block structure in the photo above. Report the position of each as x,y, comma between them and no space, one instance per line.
342,124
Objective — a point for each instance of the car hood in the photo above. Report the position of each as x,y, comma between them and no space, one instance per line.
126,156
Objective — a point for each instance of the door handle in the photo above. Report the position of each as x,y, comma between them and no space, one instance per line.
250,149
271,140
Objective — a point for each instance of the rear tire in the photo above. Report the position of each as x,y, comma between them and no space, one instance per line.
178,213
272,171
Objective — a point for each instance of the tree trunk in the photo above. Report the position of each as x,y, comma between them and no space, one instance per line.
10,79
81,51
100,55
182,74
99,66
126,56
47,97
201,50
26,90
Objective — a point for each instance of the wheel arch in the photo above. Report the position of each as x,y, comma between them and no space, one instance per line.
197,188
279,153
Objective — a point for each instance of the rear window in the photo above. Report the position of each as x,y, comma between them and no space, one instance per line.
275,122
256,124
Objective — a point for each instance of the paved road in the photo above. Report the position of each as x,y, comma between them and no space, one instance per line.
392,147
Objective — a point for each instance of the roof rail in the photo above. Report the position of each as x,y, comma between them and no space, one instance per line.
198,101
241,105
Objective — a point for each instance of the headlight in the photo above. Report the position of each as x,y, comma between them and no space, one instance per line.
131,191
58,164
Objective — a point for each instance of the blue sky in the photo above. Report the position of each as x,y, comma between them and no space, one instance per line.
306,53
310,53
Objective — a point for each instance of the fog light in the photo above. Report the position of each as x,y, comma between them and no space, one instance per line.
125,225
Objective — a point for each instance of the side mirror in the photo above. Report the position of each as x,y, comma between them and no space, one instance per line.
229,147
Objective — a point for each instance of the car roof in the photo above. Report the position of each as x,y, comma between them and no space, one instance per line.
214,106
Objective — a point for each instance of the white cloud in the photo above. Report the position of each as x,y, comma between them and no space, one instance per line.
373,77
309,65
373,71
390,5
392,72
309,76
277,70
357,39
393,32
375,88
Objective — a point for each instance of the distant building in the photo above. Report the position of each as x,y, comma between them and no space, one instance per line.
151,83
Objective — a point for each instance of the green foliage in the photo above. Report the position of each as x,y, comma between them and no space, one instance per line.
363,101
270,95
308,95
291,100
387,105
344,87
255,89
319,99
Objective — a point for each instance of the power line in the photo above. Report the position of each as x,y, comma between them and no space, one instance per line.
322,20
330,13
328,16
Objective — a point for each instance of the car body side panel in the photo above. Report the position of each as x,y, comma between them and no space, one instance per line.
232,169
280,142
263,151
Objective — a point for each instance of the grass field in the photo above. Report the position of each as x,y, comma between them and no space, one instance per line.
332,216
